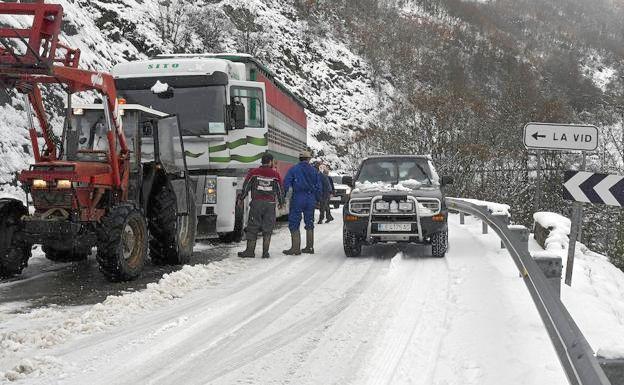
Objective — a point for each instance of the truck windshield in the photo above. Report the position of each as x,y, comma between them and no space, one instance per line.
201,109
410,172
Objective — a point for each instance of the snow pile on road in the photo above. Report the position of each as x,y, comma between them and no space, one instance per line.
596,298
559,227
494,208
47,327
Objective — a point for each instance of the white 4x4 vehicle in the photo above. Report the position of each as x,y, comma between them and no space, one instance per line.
341,191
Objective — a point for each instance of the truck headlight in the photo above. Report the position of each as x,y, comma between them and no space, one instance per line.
406,206
210,194
382,206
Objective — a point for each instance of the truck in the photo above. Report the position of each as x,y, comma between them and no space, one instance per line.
396,199
232,110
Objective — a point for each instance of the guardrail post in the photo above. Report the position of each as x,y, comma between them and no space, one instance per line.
462,218
614,369
503,218
521,235
552,268
484,227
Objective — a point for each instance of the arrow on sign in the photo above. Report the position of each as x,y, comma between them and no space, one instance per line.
537,135
589,187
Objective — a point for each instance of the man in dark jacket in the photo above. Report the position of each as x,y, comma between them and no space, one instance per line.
265,185
305,182
328,191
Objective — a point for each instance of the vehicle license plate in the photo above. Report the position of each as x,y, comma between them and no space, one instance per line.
390,227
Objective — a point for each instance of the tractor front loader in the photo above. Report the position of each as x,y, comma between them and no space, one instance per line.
115,178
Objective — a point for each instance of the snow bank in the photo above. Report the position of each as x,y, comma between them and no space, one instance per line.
47,327
494,208
596,298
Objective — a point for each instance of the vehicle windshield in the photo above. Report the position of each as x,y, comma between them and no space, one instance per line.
201,109
409,173
337,179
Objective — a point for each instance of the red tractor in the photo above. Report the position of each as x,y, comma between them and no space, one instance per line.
115,178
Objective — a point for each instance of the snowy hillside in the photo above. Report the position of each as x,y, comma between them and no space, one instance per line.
319,67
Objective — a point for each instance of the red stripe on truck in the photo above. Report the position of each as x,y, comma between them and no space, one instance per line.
283,102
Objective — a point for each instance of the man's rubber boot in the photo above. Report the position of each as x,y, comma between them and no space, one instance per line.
309,249
250,251
329,219
320,222
266,243
295,249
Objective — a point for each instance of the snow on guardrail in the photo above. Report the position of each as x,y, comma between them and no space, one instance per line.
596,298
494,208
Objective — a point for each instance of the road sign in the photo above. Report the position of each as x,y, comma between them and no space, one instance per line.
546,136
588,187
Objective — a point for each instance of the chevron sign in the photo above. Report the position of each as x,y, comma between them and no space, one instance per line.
588,187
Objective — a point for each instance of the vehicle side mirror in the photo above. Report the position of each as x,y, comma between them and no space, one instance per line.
347,180
446,180
238,115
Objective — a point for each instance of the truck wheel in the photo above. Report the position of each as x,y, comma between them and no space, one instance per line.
14,256
172,237
237,234
351,243
76,254
439,244
122,243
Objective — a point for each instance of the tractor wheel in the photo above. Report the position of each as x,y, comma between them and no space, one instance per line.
439,244
172,237
352,244
14,256
76,254
122,243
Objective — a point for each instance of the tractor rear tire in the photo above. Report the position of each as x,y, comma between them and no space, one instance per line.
122,243
14,256
439,244
77,254
172,237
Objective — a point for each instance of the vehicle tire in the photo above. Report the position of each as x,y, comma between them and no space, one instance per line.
75,255
171,237
352,244
237,234
439,244
14,256
122,243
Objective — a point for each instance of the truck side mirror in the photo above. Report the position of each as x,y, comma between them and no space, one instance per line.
347,180
446,180
238,114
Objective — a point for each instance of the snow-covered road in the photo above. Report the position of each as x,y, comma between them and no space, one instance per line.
393,316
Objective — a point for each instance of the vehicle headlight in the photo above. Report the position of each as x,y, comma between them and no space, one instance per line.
406,206
63,184
39,183
210,194
382,206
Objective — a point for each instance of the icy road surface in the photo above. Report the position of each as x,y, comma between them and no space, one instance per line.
393,316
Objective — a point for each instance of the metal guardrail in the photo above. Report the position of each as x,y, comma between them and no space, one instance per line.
575,354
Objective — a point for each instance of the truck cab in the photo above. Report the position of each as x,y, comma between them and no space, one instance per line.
232,110
396,199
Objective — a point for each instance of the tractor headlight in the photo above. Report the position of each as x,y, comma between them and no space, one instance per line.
406,206
63,184
39,183
210,194
382,206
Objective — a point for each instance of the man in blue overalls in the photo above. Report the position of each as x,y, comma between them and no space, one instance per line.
305,182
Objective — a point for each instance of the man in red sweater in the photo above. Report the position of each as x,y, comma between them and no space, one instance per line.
265,185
